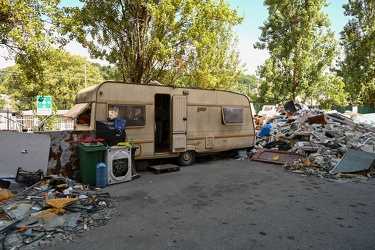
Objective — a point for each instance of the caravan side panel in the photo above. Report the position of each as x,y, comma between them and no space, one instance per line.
207,131
202,129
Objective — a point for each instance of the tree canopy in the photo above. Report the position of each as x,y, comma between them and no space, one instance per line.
27,33
302,48
358,40
188,43
248,85
2,103
64,76
176,42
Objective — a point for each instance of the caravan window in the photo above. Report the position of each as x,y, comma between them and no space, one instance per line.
134,114
233,115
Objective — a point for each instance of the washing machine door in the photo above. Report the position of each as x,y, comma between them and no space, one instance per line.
119,166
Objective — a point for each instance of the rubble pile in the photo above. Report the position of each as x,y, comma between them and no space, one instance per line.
324,139
49,211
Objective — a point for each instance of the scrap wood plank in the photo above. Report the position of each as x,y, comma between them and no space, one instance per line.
164,168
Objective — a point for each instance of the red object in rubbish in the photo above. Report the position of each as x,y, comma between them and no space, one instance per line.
91,140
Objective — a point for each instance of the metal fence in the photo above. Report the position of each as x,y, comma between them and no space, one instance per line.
11,122
341,109
360,110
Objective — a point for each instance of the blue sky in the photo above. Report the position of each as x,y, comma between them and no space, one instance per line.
255,14
248,32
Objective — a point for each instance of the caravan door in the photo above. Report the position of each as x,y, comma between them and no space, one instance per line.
179,121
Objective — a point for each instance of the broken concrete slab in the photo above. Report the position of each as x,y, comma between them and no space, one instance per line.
354,161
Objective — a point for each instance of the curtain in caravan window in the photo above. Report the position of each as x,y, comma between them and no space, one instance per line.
233,115
134,114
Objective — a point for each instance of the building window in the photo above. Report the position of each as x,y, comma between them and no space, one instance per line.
134,114
233,115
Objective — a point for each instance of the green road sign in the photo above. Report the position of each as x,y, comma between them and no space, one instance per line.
44,105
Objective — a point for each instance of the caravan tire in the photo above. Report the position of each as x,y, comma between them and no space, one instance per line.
186,158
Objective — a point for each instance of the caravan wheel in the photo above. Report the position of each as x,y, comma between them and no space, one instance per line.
186,158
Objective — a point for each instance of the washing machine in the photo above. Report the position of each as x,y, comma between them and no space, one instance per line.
119,164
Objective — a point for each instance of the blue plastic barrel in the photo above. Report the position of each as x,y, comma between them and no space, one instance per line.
101,175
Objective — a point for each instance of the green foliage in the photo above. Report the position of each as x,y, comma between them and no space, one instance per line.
64,77
109,73
47,123
358,40
248,85
3,74
250,80
274,89
176,42
26,33
2,103
330,93
301,46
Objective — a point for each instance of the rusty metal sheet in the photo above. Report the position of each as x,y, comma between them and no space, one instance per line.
276,156
64,153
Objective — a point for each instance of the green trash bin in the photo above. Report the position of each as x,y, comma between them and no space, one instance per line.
90,154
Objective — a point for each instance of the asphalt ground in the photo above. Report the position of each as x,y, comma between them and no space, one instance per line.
235,204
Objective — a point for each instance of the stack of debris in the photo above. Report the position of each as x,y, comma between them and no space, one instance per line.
53,209
315,142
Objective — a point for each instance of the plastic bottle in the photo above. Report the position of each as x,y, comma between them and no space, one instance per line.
132,143
101,175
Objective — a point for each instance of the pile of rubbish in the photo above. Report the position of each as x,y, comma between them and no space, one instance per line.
315,142
51,210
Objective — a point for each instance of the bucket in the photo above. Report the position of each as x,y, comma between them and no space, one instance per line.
242,153
101,175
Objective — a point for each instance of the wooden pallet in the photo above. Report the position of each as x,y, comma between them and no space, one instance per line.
166,168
